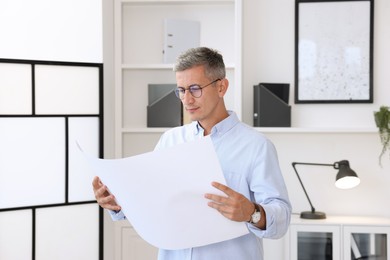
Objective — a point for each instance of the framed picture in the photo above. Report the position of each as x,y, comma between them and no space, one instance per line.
334,51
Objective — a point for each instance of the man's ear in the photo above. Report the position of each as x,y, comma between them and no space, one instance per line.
223,86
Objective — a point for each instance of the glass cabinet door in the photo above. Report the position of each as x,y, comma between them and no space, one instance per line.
314,242
315,245
366,242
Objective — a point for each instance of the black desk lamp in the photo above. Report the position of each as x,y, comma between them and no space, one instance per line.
346,178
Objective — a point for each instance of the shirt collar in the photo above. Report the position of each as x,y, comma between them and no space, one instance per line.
220,128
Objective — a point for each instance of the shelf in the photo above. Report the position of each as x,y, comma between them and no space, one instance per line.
144,130
175,1
345,220
286,130
147,66
319,130
161,66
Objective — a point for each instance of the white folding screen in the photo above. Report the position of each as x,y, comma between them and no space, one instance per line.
47,207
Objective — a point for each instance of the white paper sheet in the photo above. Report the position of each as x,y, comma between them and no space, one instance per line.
162,195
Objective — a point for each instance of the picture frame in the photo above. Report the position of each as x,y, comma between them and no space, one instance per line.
334,51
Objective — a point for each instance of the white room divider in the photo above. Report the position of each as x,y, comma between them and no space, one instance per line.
47,206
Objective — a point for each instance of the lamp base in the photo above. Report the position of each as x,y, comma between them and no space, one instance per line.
313,215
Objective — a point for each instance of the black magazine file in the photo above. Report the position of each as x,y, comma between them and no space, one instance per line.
164,108
271,107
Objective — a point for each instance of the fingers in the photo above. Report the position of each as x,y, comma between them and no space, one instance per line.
106,200
103,196
99,188
225,189
233,206
216,198
96,182
218,206
102,193
218,202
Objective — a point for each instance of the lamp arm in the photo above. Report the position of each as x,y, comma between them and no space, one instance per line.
300,181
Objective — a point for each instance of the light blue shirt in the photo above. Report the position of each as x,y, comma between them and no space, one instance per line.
250,165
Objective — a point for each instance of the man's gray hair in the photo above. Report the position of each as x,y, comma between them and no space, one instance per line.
211,59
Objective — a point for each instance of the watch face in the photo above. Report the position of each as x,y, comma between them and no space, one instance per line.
256,217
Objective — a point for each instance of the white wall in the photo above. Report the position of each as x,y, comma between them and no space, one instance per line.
269,57
51,30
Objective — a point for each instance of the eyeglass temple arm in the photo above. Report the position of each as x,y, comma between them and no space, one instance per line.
335,165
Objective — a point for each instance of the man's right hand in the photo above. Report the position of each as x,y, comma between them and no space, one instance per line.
103,197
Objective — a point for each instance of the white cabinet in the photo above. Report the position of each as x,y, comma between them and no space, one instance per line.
138,58
339,237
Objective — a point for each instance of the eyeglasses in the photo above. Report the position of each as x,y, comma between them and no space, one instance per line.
195,90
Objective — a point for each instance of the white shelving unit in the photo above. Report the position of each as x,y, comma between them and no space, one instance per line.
138,61
138,58
342,237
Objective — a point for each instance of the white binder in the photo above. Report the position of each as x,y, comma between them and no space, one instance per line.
179,35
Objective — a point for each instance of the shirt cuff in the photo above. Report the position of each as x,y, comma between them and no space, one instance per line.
117,215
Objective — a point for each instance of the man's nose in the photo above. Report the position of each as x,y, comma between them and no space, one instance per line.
187,97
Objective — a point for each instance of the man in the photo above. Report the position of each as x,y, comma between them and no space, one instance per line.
255,191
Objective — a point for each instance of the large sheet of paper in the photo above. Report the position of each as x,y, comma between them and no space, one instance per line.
162,195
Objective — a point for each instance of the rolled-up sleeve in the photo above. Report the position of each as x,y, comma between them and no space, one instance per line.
270,192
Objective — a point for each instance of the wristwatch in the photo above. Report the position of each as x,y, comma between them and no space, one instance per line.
256,216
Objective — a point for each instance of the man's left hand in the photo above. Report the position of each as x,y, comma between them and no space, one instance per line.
233,206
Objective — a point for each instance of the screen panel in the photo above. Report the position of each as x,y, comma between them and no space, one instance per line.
32,160
84,131
66,237
66,89
16,234
15,88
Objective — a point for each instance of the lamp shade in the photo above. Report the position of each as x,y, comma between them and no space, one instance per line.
346,178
